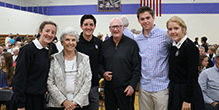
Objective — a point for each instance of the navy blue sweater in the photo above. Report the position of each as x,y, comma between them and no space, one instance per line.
183,66
31,72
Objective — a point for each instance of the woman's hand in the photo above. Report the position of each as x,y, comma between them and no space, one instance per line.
69,105
21,109
186,106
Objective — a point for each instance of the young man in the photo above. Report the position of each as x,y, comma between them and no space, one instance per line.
90,45
154,46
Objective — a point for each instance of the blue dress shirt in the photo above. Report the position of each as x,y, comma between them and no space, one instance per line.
154,52
128,33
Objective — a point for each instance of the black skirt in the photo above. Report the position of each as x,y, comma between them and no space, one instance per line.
33,102
177,93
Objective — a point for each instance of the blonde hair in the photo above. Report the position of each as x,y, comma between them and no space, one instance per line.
179,21
212,48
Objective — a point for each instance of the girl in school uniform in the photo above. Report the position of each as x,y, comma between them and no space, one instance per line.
184,90
32,68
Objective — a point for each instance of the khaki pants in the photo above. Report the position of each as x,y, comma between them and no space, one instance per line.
153,100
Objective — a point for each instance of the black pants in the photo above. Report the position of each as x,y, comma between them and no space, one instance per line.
93,99
210,107
33,102
62,109
116,98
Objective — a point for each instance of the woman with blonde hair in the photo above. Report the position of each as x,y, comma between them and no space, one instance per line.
184,90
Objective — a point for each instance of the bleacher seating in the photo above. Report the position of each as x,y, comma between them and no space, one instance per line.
3,36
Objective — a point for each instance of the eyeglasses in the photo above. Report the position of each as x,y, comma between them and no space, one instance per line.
115,27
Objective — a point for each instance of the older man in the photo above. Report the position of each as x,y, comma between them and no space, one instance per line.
209,82
120,66
126,31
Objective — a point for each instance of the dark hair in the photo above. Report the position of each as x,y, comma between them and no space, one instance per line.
43,24
87,17
38,35
196,38
41,29
9,66
99,36
144,9
201,58
2,45
204,39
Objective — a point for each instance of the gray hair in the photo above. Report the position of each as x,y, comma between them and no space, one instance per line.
124,20
216,56
217,51
69,31
201,47
118,19
15,49
18,42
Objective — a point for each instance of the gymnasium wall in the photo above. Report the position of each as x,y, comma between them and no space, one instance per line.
201,16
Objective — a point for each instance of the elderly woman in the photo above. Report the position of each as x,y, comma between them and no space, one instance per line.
70,75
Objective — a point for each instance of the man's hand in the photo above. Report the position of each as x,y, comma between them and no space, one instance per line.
21,109
214,103
69,105
186,106
108,75
129,91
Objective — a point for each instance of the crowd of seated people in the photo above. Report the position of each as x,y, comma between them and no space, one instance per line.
209,73
207,60
8,53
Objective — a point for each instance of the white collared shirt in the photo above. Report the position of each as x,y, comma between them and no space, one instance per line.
179,44
38,45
